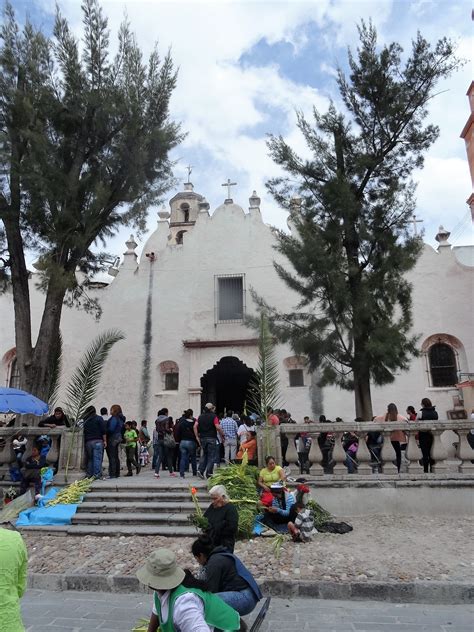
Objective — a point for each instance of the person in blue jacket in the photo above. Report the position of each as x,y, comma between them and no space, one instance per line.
114,431
226,576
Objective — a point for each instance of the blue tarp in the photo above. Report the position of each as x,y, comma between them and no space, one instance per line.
44,516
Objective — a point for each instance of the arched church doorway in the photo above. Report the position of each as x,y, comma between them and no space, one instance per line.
226,385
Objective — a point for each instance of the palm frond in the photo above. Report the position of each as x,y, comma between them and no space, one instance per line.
82,388
56,370
264,387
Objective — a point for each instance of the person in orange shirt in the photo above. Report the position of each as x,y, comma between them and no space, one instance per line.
250,445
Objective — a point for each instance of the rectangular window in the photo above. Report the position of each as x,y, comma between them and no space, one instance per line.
296,377
230,303
171,381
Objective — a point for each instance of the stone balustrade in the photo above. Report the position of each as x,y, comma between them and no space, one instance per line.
60,441
450,451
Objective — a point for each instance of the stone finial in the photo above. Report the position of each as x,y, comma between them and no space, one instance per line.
295,204
188,186
442,238
254,201
203,206
131,245
163,214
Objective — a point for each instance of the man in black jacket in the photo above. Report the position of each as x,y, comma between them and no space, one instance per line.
95,440
207,429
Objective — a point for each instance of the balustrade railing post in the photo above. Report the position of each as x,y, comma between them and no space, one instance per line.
438,453
465,453
388,454
363,456
413,453
339,455
315,457
291,453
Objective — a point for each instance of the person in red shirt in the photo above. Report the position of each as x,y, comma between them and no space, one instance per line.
272,419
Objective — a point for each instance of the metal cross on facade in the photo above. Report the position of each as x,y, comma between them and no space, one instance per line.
189,169
415,221
229,184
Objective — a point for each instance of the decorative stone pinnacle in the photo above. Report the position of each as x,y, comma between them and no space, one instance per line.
254,200
443,236
188,186
131,245
163,214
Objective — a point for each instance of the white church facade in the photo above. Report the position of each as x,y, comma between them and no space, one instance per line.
182,308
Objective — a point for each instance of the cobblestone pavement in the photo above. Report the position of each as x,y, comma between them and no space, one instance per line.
104,612
379,549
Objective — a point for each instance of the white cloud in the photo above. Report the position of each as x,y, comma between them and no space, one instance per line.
221,104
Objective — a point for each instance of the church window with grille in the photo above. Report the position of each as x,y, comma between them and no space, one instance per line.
296,377
230,298
443,365
171,381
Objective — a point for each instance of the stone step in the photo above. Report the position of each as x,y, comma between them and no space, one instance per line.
111,506
113,529
119,518
116,530
144,496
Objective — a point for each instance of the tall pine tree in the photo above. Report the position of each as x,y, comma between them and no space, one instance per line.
84,150
350,248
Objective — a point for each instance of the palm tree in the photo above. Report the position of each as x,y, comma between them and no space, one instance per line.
264,387
82,388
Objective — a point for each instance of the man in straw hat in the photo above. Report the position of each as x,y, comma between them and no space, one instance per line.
179,605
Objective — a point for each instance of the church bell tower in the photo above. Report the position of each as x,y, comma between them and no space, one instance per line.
185,207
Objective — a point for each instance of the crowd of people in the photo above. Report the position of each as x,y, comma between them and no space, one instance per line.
172,446
374,439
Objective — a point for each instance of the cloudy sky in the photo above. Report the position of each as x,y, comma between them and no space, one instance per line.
246,66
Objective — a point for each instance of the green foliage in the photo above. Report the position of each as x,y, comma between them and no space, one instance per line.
84,150
85,380
241,484
350,204
264,386
320,515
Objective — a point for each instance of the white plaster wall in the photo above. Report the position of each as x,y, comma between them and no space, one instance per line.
233,242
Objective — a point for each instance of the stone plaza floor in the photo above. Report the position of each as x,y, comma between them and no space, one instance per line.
45,611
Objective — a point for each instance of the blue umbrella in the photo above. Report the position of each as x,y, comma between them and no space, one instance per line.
12,400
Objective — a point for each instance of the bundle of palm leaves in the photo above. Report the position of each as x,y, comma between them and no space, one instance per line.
240,483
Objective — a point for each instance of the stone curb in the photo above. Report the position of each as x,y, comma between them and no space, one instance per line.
410,592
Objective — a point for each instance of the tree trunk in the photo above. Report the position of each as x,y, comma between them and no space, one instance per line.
46,349
363,399
21,299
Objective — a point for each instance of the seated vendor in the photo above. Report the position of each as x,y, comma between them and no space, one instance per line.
279,513
271,473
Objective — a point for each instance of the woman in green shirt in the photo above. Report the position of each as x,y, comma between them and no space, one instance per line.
13,565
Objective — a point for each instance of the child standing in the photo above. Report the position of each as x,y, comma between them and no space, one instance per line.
130,437
302,529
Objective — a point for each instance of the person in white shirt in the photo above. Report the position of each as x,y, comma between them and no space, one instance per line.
179,596
246,427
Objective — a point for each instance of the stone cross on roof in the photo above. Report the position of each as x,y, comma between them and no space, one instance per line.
189,169
229,184
415,221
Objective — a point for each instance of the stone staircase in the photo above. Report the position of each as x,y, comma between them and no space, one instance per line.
140,505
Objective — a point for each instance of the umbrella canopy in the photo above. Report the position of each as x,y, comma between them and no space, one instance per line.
12,400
